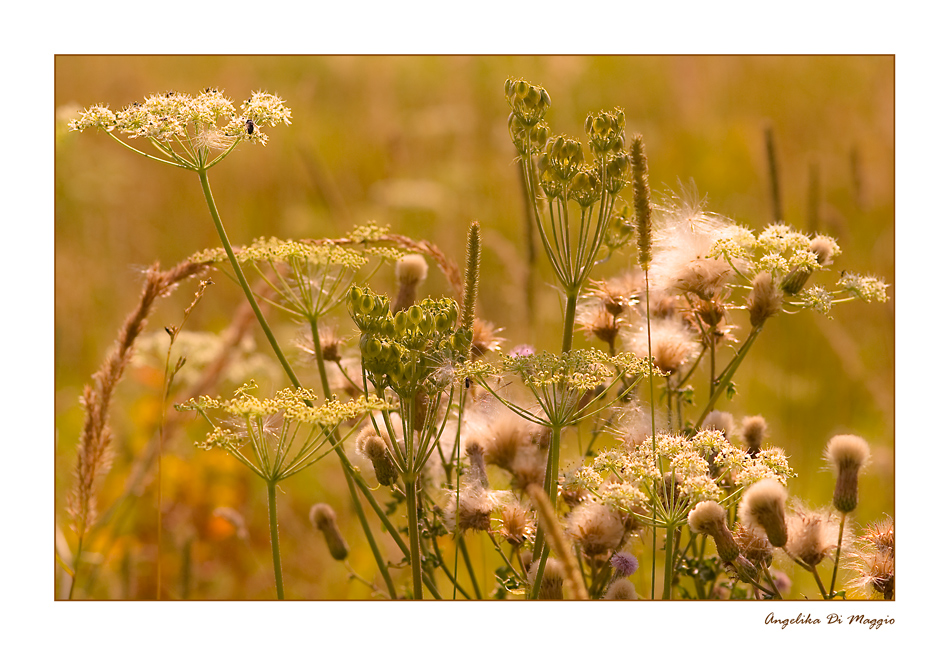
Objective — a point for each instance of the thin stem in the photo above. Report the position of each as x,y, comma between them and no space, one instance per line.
569,312
219,226
415,556
377,555
468,565
768,575
726,376
274,541
152,157
646,282
821,587
668,574
834,573
72,585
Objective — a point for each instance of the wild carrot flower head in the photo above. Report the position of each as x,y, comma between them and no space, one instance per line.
865,288
185,128
287,433
705,464
202,349
559,382
311,278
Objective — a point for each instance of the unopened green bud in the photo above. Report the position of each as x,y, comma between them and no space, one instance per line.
527,101
621,228
617,166
585,187
367,304
605,130
416,313
565,157
370,347
426,324
400,322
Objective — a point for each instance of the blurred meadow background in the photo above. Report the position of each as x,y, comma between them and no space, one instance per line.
420,143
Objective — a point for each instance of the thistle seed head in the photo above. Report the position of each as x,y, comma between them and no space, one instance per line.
763,508
847,454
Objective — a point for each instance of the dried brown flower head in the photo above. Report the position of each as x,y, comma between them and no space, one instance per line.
596,528
765,299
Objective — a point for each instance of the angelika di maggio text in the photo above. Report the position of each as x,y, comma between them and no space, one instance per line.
832,618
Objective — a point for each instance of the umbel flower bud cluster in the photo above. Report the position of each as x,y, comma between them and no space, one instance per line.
404,349
562,171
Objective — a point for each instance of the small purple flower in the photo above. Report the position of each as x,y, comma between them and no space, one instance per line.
625,563
521,351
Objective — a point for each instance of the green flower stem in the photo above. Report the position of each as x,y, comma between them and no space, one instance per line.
768,575
415,559
726,376
274,541
151,157
334,439
668,573
569,312
219,226
554,448
541,547
468,565
834,572
542,560
453,577
72,585
821,588
646,280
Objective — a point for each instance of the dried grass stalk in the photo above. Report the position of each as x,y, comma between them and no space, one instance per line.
95,439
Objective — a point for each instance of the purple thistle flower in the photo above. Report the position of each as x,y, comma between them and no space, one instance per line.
521,351
625,563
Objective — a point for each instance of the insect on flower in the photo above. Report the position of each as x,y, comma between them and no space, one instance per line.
250,126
